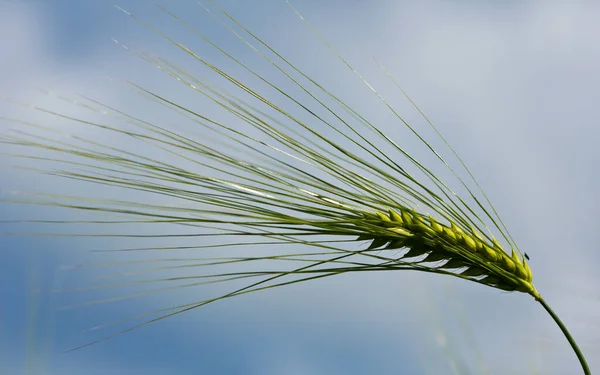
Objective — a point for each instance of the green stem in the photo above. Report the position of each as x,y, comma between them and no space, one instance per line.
565,331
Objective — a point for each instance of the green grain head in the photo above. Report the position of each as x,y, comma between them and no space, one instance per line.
307,176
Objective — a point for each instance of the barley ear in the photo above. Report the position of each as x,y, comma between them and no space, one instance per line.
287,172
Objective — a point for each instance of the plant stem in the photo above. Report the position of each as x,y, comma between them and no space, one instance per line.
565,331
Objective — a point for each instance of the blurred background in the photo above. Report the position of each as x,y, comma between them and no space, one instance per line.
513,86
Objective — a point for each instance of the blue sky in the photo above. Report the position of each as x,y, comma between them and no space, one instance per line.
514,89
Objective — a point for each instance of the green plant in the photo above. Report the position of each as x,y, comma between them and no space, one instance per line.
321,175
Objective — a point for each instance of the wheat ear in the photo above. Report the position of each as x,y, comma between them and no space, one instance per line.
289,184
